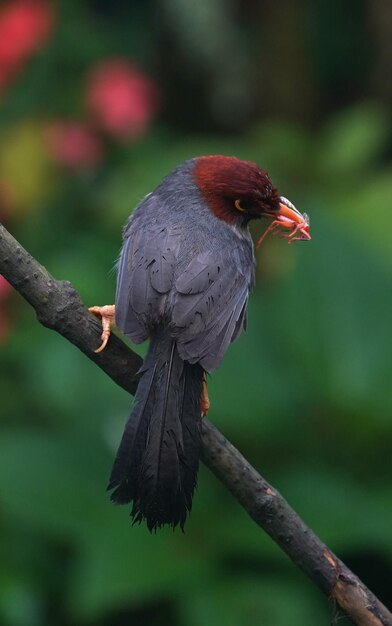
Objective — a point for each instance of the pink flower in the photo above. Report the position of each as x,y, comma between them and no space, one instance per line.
73,144
121,98
24,26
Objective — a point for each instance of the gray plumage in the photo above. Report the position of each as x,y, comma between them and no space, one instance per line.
183,266
157,461
183,280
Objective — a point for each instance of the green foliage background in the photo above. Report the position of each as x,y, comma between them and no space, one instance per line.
305,394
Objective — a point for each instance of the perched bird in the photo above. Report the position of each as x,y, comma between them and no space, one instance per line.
184,275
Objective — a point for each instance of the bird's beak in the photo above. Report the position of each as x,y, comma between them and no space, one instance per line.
287,210
289,217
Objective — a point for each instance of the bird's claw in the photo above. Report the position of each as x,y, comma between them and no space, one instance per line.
106,313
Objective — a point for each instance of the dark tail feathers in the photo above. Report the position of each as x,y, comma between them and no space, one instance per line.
157,461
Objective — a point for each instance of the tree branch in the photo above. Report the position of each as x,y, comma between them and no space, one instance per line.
59,307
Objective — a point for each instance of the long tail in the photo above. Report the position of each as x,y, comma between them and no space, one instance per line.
157,461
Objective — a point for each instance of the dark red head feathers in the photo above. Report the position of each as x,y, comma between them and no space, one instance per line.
235,190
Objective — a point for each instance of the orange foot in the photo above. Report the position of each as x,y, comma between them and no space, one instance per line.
205,401
106,313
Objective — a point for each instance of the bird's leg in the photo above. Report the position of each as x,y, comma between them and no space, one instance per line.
106,313
205,401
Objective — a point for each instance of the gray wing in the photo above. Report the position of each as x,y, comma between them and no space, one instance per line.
210,304
145,277
204,303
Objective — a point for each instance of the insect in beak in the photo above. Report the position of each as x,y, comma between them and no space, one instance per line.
288,217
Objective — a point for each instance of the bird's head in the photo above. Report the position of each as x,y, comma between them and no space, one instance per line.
238,191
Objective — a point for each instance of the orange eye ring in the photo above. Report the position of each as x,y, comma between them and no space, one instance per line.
238,206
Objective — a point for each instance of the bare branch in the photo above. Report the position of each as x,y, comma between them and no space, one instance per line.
271,511
59,307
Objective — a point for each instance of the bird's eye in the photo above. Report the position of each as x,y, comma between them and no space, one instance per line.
238,206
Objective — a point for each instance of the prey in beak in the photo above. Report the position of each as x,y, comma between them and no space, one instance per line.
290,218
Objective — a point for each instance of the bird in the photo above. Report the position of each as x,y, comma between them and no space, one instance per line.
184,275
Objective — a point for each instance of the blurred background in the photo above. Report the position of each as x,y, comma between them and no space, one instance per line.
98,101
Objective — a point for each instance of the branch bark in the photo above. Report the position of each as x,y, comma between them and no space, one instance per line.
59,307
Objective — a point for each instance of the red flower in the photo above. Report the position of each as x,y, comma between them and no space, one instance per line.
121,98
24,27
74,145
